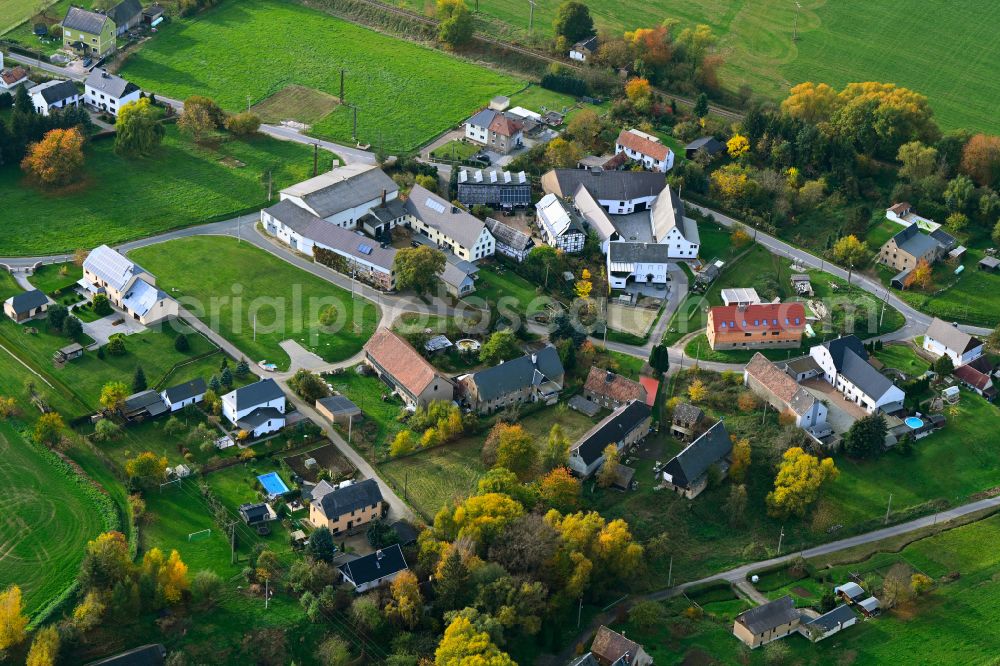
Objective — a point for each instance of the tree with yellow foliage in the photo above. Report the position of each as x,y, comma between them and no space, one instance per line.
741,460
402,444
851,252
609,470
463,645
517,452
738,146
169,574
922,276
731,182
562,154
638,90
147,467
106,562
798,483
481,518
560,489
407,603
697,391
45,647
12,618
583,288
811,102
88,613
740,237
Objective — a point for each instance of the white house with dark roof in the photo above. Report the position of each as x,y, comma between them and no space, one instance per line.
560,226
943,339
374,570
344,195
258,408
583,49
510,242
127,285
180,396
109,92
496,130
618,192
448,226
671,228
645,149
54,95
624,428
26,305
845,366
493,187
360,256
645,263
687,472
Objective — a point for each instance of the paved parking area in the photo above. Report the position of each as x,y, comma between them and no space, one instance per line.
842,413
116,322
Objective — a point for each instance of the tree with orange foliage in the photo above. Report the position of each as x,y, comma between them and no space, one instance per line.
981,159
652,45
560,489
921,276
741,460
169,574
747,402
57,159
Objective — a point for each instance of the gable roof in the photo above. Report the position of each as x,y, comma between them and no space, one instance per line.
459,273
604,185
690,464
625,252
595,215
26,301
610,646
142,296
483,118
255,394
508,235
493,176
952,337
125,11
833,619
111,267
148,400
402,362
685,412
55,91
643,143
504,125
350,498
557,219
652,386
82,20
709,144
381,563
852,590
254,513
442,215
110,84
259,417
587,44
667,214
851,360
612,428
973,377
184,391
759,317
614,386
914,242
519,373
144,655
944,239
342,188
769,616
13,75
780,384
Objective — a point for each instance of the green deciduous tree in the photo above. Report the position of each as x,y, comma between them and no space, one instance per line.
321,545
48,429
308,385
556,449
516,451
137,129
866,437
456,26
501,346
418,268
573,22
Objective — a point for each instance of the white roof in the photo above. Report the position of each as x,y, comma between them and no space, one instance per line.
111,267
553,215
491,176
141,297
522,112
593,213
740,295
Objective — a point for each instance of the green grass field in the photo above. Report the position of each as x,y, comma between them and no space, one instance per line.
18,12
944,50
48,516
236,285
51,279
902,357
455,150
122,199
405,93
366,393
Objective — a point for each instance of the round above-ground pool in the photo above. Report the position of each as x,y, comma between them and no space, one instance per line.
467,345
914,422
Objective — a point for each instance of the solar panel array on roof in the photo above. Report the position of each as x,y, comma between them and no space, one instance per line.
435,205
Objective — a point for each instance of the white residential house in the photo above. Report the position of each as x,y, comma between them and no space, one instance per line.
845,366
180,396
560,226
127,285
943,338
54,95
11,77
645,263
108,92
646,149
501,132
583,49
344,195
448,226
618,192
258,408
671,228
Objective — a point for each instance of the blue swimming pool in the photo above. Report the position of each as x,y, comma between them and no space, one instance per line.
914,422
273,484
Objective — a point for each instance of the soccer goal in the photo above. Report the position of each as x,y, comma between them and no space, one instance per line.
175,483
200,535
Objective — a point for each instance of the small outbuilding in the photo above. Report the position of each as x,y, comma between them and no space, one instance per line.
182,395
257,514
990,264
708,145
851,593
26,305
338,409
828,624
870,607
68,353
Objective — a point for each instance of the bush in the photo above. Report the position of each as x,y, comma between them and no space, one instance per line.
116,345
565,83
181,343
101,305
243,124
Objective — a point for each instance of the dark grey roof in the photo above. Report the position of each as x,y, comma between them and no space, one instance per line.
944,239
27,301
912,241
255,513
690,464
350,498
125,11
257,393
148,400
185,391
483,118
53,92
589,43
851,360
709,144
78,18
339,404
769,616
145,655
379,564
685,412
113,85
343,188
393,209
508,235
839,347
444,216
259,417
610,185
613,428
833,619
405,532
519,373
624,252
318,230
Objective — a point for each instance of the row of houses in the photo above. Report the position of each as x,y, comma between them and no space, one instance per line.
103,92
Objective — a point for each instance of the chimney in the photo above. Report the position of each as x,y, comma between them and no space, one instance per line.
534,359
384,193
609,377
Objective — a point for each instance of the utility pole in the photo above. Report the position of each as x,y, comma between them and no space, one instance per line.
579,612
232,542
354,133
341,86
670,571
255,327
315,159
884,303
781,538
248,103
270,184
406,484
795,23
531,16
239,226
887,510
267,595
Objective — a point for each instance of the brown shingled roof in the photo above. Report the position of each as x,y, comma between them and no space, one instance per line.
395,355
768,374
616,387
13,75
505,126
641,144
610,646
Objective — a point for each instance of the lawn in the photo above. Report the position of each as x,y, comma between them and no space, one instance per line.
404,93
295,102
49,514
838,42
431,479
53,278
15,20
902,357
122,199
237,288
367,393
498,284
455,150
